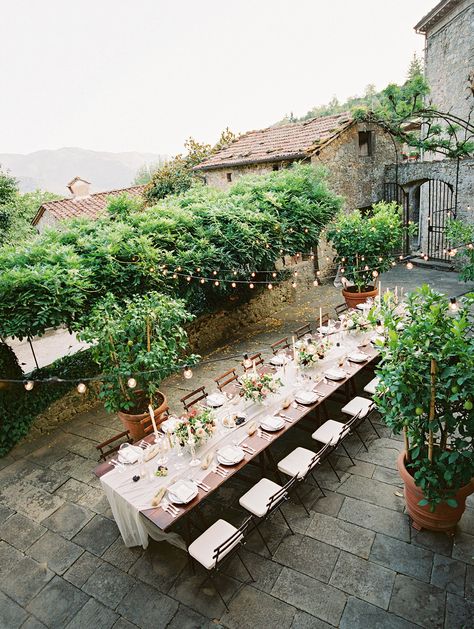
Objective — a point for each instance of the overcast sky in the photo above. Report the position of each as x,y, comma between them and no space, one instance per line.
124,75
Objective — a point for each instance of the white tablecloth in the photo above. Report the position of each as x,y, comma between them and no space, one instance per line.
128,498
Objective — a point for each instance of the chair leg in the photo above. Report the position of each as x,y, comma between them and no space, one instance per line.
360,439
334,469
217,590
347,452
301,502
318,485
287,523
245,566
263,540
373,427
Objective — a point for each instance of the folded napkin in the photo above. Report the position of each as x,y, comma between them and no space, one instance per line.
157,498
207,460
151,452
306,397
215,399
183,490
129,454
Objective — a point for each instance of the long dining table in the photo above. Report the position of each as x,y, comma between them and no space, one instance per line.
130,501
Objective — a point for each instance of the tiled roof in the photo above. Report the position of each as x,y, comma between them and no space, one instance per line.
437,13
289,141
86,207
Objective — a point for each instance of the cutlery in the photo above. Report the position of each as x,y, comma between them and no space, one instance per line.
329,383
115,463
166,506
287,418
249,448
222,470
219,473
173,508
263,435
203,486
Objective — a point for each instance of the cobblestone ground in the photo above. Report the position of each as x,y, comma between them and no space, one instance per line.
355,562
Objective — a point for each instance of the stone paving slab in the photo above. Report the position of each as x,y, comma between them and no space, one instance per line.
402,557
414,599
375,518
58,603
340,534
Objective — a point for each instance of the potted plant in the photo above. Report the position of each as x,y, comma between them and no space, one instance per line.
364,246
137,343
426,392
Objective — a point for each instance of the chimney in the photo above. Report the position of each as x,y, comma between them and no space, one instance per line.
79,188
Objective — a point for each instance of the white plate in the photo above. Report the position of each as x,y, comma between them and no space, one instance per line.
324,329
277,361
216,399
306,397
230,455
335,374
358,357
169,425
185,490
272,424
129,455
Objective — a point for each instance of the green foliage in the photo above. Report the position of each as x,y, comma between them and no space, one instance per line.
120,206
61,275
429,330
460,233
19,408
364,244
176,175
146,172
143,334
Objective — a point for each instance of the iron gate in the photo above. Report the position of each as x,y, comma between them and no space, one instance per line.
440,205
394,192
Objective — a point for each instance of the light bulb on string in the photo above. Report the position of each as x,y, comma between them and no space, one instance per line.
453,304
394,263
175,275
274,274
81,387
253,274
179,269
216,283
29,384
198,270
294,285
247,363
131,383
202,280
214,273
380,259
188,279
315,283
470,246
270,286
188,372
375,273
400,257
342,270
318,273
409,265
234,272
251,285
233,284
295,273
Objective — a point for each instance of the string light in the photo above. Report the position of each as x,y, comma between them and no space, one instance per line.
131,383
251,285
375,273
274,274
175,276
188,372
247,363
252,274
294,285
198,270
81,387
453,304
216,283
409,265
214,273
188,278
29,384
270,286
233,284
315,283
202,280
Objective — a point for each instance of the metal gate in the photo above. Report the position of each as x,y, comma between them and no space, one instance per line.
394,192
439,199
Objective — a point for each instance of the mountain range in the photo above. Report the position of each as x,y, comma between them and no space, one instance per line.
53,169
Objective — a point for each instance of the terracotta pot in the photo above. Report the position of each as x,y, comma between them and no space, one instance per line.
353,298
443,518
132,422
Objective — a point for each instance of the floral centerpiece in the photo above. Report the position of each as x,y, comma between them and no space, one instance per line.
356,321
257,387
199,424
308,353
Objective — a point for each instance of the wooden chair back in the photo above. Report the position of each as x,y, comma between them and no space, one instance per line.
226,378
340,308
280,345
303,331
146,421
193,398
113,444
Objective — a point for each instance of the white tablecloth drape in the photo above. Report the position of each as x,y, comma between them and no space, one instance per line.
127,498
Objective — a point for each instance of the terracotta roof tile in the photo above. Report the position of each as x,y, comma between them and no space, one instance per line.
289,141
86,207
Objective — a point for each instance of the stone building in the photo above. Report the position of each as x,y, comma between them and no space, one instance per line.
355,155
80,204
449,55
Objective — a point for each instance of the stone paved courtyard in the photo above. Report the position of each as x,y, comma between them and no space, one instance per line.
355,563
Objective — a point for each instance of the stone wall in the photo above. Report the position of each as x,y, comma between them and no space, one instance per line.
47,220
449,60
217,178
359,180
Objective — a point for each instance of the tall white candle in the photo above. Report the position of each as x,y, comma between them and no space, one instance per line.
152,415
254,366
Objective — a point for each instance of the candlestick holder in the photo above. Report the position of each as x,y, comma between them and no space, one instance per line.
194,462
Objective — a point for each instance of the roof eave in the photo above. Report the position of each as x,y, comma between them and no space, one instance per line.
242,162
432,17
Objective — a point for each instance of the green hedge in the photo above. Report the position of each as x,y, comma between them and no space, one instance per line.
19,408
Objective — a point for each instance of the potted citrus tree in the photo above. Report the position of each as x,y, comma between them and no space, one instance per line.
137,344
364,247
426,393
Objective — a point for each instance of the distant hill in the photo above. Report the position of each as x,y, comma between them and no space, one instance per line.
52,170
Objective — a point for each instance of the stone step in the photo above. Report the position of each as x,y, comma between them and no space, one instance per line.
438,265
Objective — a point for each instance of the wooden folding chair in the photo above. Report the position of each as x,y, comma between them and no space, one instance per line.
257,358
193,398
113,444
303,331
146,421
280,345
226,378
340,309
